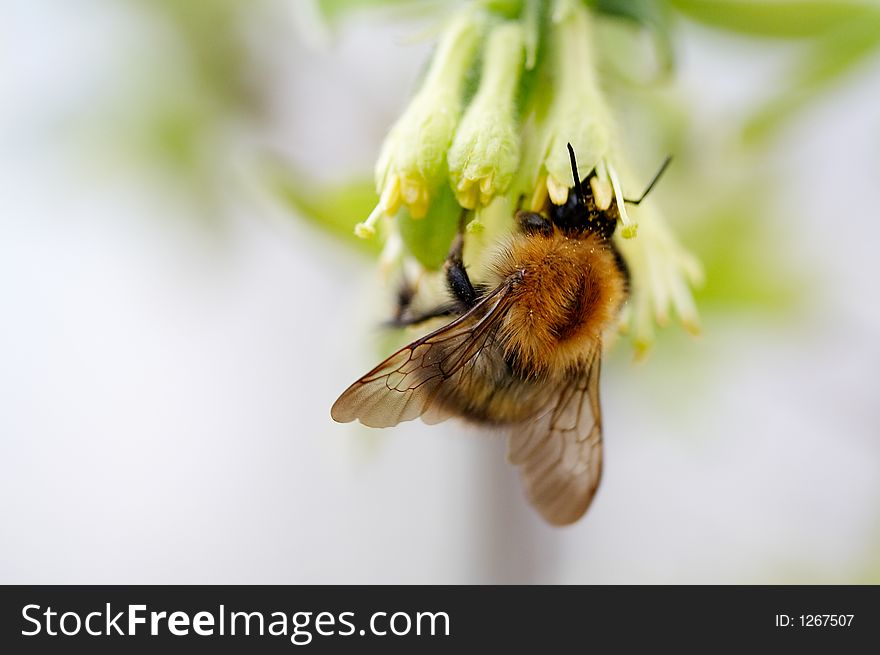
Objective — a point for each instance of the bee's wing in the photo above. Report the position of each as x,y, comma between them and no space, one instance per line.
560,452
406,385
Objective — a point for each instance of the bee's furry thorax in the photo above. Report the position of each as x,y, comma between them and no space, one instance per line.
570,292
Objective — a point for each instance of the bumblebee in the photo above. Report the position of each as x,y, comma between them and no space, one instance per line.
522,353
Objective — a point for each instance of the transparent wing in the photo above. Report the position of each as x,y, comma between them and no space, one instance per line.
407,384
560,452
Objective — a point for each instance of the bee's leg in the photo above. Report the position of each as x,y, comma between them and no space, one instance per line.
457,279
403,312
405,294
464,294
405,319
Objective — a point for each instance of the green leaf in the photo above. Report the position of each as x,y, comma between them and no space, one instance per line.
828,60
428,238
777,18
335,208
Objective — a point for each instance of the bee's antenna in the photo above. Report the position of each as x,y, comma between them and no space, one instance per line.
577,178
653,183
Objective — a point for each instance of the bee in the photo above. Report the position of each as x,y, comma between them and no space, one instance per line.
522,353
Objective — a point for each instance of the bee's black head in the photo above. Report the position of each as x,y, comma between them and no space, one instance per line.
579,213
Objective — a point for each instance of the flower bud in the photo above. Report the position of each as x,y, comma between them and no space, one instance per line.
662,274
486,149
412,162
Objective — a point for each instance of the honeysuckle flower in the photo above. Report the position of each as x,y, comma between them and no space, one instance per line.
445,155
412,163
485,151
662,272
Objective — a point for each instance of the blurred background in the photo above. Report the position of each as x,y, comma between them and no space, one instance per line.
176,320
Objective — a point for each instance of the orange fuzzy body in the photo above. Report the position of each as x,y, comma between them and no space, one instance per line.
570,292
